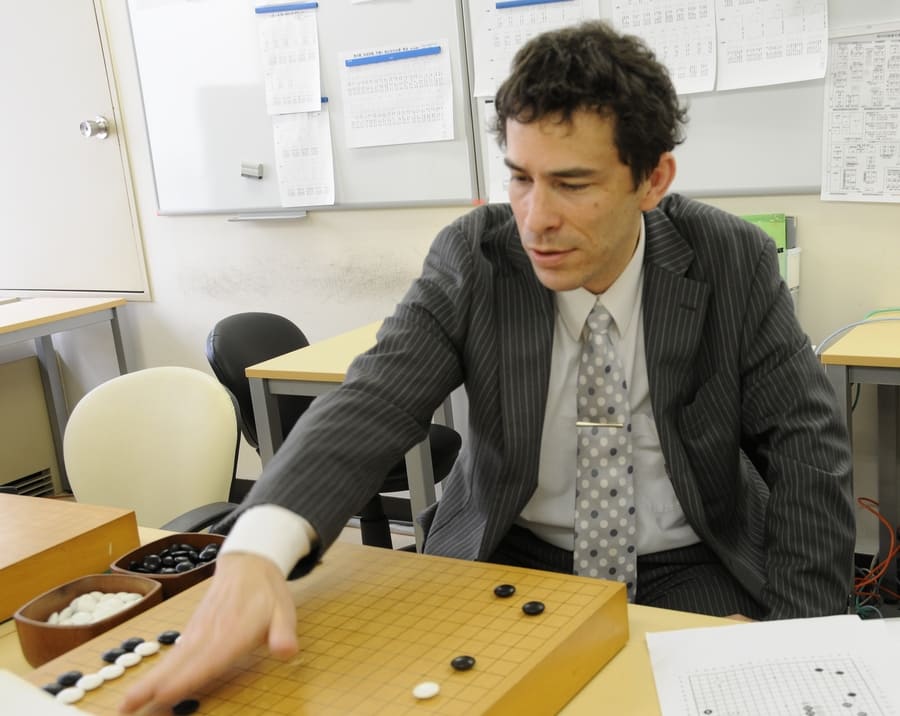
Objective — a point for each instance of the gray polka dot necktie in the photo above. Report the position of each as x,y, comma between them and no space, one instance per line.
605,531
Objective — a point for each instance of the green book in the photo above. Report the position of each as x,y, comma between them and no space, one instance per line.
782,229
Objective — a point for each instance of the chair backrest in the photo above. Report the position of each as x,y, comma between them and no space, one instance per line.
242,340
160,441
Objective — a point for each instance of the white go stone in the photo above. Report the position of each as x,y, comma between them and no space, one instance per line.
89,682
426,690
70,695
84,603
111,671
146,648
129,658
80,618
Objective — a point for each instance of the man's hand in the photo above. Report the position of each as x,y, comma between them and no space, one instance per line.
248,603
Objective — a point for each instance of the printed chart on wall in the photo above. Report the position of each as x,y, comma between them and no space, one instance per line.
809,667
861,153
501,28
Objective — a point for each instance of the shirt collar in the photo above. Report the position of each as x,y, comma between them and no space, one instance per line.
619,299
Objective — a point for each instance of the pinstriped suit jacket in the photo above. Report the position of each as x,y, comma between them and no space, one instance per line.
748,424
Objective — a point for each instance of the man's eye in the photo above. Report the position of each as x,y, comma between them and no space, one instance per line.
572,187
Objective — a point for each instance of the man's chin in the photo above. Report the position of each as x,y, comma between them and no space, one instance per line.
557,281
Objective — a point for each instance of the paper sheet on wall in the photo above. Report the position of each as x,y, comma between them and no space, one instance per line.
289,44
861,128
766,42
501,28
827,665
397,95
682,33
304,159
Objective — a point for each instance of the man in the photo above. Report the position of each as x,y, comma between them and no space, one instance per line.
741,468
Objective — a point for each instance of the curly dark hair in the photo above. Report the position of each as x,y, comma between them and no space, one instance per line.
590,66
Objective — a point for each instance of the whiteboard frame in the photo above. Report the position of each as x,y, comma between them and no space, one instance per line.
236,123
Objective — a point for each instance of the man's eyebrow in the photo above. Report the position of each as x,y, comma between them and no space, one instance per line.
571,173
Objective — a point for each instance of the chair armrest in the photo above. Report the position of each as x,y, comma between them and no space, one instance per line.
199,518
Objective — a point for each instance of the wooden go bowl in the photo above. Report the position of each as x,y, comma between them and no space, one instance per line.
172,583
42,642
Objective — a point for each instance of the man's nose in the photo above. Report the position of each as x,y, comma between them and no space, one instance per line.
542,213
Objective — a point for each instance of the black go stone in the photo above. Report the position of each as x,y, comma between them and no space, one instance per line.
152,562
463,663
188,706
53,689
533,608
504,590
182,567
110,655
70,678
208,553
130,644
168,637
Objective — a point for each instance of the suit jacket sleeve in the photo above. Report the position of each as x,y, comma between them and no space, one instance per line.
336,456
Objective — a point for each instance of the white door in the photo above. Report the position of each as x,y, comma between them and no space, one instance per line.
67,219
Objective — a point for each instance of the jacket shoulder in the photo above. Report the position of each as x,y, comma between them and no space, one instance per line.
715,238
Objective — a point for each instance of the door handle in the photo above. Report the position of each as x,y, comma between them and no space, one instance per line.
97,127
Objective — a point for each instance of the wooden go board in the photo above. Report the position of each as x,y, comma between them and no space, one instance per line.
46,542
374,623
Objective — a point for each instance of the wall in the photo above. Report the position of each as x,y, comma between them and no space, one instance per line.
334,271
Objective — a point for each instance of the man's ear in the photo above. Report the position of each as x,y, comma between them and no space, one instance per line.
655,186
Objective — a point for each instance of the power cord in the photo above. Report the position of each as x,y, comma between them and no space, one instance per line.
868,587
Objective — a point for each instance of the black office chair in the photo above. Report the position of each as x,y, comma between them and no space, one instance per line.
244,339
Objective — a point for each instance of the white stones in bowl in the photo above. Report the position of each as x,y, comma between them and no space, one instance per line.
92,607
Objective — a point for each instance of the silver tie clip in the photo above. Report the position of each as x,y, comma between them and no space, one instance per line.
586,424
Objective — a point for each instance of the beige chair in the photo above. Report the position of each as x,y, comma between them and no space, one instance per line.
161,441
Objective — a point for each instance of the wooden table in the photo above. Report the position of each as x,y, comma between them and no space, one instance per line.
317,369
870,354
624,686
38,319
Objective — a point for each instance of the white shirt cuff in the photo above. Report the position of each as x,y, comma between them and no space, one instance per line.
273,532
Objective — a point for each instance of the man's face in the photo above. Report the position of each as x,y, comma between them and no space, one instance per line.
575,203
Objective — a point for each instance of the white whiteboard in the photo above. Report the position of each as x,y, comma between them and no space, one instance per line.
762,140
204,100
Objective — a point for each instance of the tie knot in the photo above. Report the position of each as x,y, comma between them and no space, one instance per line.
599,319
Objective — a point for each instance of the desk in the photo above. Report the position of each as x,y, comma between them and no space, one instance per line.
624,686
317,369
38,319
870,354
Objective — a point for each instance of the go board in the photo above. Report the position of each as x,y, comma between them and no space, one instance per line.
45,542
373,623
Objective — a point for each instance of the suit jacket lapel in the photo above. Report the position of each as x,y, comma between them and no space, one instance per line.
525,328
